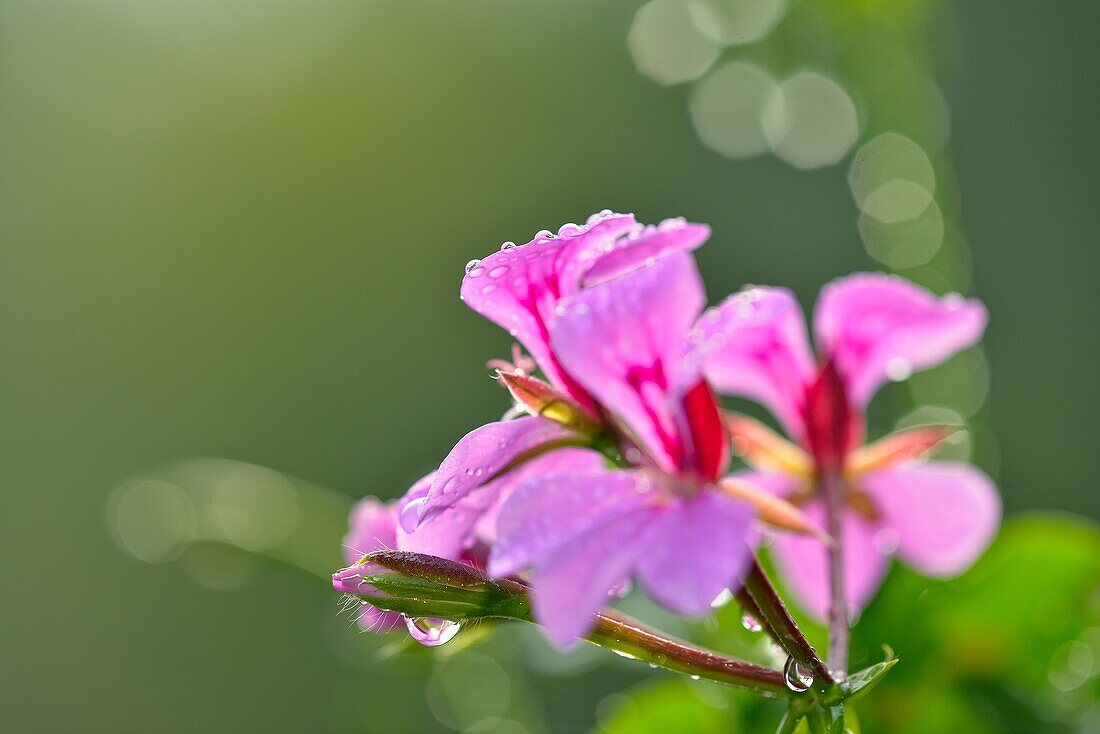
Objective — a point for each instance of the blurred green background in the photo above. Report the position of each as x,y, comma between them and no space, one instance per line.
236,229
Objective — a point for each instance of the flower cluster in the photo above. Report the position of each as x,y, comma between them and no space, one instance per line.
615,464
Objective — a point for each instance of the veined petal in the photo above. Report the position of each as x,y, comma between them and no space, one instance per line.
697,548
878,327
519,288
623,340
804,565
550,512
481,455
943,514
754,345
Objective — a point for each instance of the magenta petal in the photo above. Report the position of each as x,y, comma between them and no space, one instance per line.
519,288
371,526
803,564
754,345
878,327
624,341
550,512
572,583
567,460
632,251
481,454
942,514
697,549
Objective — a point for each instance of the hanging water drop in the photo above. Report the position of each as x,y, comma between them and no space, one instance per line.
751,623
431,631
797,678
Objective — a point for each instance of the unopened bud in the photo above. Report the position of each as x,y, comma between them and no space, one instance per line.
536,397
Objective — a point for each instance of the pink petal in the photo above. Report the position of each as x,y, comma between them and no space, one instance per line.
572,583
519,288
560,461
697,549
942,514
372,526
481,454
803,564
623,340
879,327
632,251
550,512
754,345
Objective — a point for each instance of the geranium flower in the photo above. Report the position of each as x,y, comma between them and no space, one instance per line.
521,288
667,519
937,516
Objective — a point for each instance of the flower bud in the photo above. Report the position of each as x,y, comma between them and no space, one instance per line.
538,398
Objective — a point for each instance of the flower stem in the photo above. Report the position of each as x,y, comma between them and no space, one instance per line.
783,626
629,638
831,492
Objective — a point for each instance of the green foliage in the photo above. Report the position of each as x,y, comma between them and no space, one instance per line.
1012,645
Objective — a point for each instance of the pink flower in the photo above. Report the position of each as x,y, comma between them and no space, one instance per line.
869,328
520,288
665,520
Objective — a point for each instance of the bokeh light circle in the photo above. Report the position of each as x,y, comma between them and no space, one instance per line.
728,107
667,45
810,121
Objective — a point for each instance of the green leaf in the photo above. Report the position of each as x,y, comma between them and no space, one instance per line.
858,684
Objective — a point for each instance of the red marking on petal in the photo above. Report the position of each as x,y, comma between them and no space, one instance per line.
832,428
710,448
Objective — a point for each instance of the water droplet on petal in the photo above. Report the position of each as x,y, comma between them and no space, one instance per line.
431,631
509,245
898,369
568,229
471,265
751,623
724,597
797,678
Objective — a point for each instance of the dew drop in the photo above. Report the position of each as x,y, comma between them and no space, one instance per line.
471,265
898,369
797,678
431,631
695,677
751,623
509,245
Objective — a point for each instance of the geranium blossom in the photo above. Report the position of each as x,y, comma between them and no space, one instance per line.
937,516
668,520
522,288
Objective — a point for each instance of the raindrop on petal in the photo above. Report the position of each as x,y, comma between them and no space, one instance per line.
471,265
